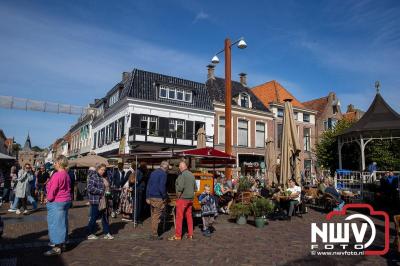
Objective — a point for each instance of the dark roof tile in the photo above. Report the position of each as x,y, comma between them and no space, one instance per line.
216,90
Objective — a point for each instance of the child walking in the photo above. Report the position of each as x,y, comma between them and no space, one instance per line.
208,210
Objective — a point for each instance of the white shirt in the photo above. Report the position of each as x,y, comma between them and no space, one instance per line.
296,189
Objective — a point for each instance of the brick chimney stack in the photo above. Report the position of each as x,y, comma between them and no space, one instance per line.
125,76
210,73
243,79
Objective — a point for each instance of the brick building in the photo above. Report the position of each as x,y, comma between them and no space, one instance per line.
27,155
273,94
328,112
252,121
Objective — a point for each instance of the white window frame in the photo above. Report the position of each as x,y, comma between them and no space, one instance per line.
176,91
278,111
113,99
309,118
177,122
166,92
219,129
248,132
149,119
307,144
244,94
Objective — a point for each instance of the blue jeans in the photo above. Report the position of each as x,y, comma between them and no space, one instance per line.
29,198
340,206
94,214
57,220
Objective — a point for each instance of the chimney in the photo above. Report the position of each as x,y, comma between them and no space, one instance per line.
210,73
125,76
243,79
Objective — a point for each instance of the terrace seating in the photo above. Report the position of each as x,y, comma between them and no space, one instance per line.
329,201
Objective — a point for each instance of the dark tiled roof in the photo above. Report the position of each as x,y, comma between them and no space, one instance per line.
216,90
143,85
379,117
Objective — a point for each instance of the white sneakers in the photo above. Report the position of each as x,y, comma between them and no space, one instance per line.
18,211
94,237
108,237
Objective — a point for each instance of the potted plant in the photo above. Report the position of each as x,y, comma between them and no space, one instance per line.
244,184
240,211
260,207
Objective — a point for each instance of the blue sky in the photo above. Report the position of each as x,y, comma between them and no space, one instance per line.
74,51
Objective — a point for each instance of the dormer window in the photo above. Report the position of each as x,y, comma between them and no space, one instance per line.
113,99
175,94
280,112
163,92
244,100
101,109
179,95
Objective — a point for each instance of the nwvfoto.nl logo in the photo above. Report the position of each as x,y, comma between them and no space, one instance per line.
338,236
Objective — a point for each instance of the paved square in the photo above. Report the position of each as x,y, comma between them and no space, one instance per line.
279,243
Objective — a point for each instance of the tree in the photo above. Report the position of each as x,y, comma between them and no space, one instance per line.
327,148
385,153
16,147
37,149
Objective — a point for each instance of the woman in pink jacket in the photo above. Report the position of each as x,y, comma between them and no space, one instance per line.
58,202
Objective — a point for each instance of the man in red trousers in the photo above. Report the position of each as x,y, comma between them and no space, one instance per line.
185,186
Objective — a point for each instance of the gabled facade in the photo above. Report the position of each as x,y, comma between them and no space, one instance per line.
80,135
27,155
273,94
353,114
148,111
328,112
252,122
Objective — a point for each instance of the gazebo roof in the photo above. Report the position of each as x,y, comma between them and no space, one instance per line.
380,120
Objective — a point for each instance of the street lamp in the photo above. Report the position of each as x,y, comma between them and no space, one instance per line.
241,44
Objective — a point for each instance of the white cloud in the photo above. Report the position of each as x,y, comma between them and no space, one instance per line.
47,58
201,16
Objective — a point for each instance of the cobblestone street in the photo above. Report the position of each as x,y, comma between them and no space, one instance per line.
279,243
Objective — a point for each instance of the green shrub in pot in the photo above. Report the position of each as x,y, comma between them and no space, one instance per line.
240,211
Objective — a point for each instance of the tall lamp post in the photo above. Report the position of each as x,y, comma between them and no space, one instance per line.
241,44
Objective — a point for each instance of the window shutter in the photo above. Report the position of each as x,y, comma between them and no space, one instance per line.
163,126
189,129
135,120
115,125
95,140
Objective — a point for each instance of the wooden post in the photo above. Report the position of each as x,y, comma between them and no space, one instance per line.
228,104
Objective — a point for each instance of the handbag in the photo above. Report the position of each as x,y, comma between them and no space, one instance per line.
102,203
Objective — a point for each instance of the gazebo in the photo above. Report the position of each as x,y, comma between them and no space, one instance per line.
380,122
